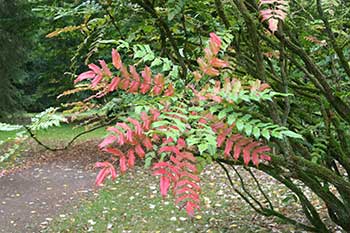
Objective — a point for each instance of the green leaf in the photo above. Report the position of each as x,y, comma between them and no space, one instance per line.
277,134
212,150
222,114
166,65
291,134
231,119
248,129
159,123
256,132
156,62
240,125
266,134
202,148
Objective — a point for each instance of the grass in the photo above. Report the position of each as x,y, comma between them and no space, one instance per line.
66,132
63,133
133,204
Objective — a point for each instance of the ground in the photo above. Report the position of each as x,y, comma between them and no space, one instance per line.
55,192
44,186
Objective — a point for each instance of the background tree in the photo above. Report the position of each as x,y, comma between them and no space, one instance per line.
14,23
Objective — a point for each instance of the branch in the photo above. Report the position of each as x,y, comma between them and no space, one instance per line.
148,7
32,135
221,13
332,39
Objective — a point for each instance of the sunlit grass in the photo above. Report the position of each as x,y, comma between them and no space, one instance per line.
63,133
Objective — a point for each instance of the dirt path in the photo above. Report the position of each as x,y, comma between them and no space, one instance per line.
30,199
49,185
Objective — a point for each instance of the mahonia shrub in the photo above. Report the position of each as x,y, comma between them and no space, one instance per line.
178,131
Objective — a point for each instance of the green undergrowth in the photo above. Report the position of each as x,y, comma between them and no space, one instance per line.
133,204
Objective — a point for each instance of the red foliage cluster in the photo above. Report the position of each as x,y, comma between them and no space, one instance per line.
236,144
129,81
181,172
178,172
276,10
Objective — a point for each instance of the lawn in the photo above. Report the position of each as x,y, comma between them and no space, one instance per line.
133,204
63,133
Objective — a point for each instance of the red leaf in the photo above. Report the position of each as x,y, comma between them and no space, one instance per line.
172,149
181,143
169,91
121,139
122,164
160,172
215,39
246,152
158,84
155,114
197,76
185,190
228,147
211,71
96,80
188,184
137,125
202,65
164,185
147,143
218,63
265,157
189,175
128,131
124,84
95,69
134,86
112,172
146,84
101,176
102,164
86,75
107,141
221,137
188,156
192,196
107,168
238,147
146,121
256,152
117,63
114,151
215,43
114,84
105,68
160,165
131,158
208,54
139,151
190,208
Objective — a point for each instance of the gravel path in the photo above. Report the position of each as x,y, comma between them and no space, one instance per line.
31,198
